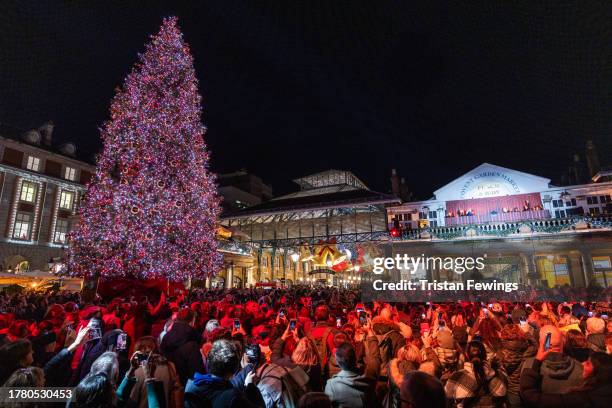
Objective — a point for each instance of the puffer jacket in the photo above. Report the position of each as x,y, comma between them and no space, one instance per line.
511,357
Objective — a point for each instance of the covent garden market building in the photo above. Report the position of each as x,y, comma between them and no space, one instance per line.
330,231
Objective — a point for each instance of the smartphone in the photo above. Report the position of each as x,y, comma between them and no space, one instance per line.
359,310
363,319
485,311
237,323
604,316
522,321
590,314
339,322
292,324
122,341
423,316
95,332
281,313
547,341
490,306
440,316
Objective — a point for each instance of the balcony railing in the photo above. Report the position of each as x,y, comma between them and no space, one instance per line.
504,229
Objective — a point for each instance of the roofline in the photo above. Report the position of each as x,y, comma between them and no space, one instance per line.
50,152
547,180
385,199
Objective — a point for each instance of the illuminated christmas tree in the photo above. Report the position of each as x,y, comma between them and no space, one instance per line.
151,209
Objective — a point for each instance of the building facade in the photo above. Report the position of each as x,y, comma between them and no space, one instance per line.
528,230
40,188
321,233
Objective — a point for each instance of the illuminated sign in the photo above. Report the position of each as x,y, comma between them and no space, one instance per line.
489,184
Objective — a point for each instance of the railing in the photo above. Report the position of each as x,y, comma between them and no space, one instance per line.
498,217
504,229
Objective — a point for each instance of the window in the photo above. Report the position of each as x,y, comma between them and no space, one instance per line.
433,223
28,192
22,226
559,213
594,211
592,200
557,203
66,200
602,270
61,231
33,163
433,214
573,202
70,173
422,215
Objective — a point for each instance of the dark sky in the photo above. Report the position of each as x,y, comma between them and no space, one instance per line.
293,87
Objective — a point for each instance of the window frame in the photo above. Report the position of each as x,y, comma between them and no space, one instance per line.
70,173
21,222
61,200
34,192
30,161
58,231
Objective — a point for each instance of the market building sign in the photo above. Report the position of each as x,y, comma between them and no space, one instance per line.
489,184
489,180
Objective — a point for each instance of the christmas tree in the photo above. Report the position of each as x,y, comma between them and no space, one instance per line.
151,208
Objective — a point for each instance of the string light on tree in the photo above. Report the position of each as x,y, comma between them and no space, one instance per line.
152,178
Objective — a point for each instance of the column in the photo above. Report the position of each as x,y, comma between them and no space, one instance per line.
587,266
530,269
207,283
229,277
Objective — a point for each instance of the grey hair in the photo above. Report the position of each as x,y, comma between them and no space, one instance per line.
106,364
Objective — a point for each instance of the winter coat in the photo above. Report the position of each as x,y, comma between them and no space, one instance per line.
597,342
181,345
390,340
206,390
511,357
533,396
559,372
355,390
314,372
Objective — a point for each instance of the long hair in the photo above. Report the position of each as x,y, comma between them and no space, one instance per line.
477,355
26,377
305,353
410,352
602,371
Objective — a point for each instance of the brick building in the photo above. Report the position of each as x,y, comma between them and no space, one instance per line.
41,184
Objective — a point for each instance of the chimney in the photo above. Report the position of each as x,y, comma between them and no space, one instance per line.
592,158
404,192
46,131
395,187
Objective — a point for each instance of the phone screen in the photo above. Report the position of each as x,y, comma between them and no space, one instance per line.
237,323
362,318
292,324
122,341
338,322
547,341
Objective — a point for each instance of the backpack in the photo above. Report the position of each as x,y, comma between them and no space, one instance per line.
281,387
385,346
321,345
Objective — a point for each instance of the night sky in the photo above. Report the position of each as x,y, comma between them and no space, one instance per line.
294,87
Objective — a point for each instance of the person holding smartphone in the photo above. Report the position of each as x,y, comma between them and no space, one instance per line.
305,355
594,382
559,371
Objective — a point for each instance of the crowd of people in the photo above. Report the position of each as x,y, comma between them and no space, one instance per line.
305,347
